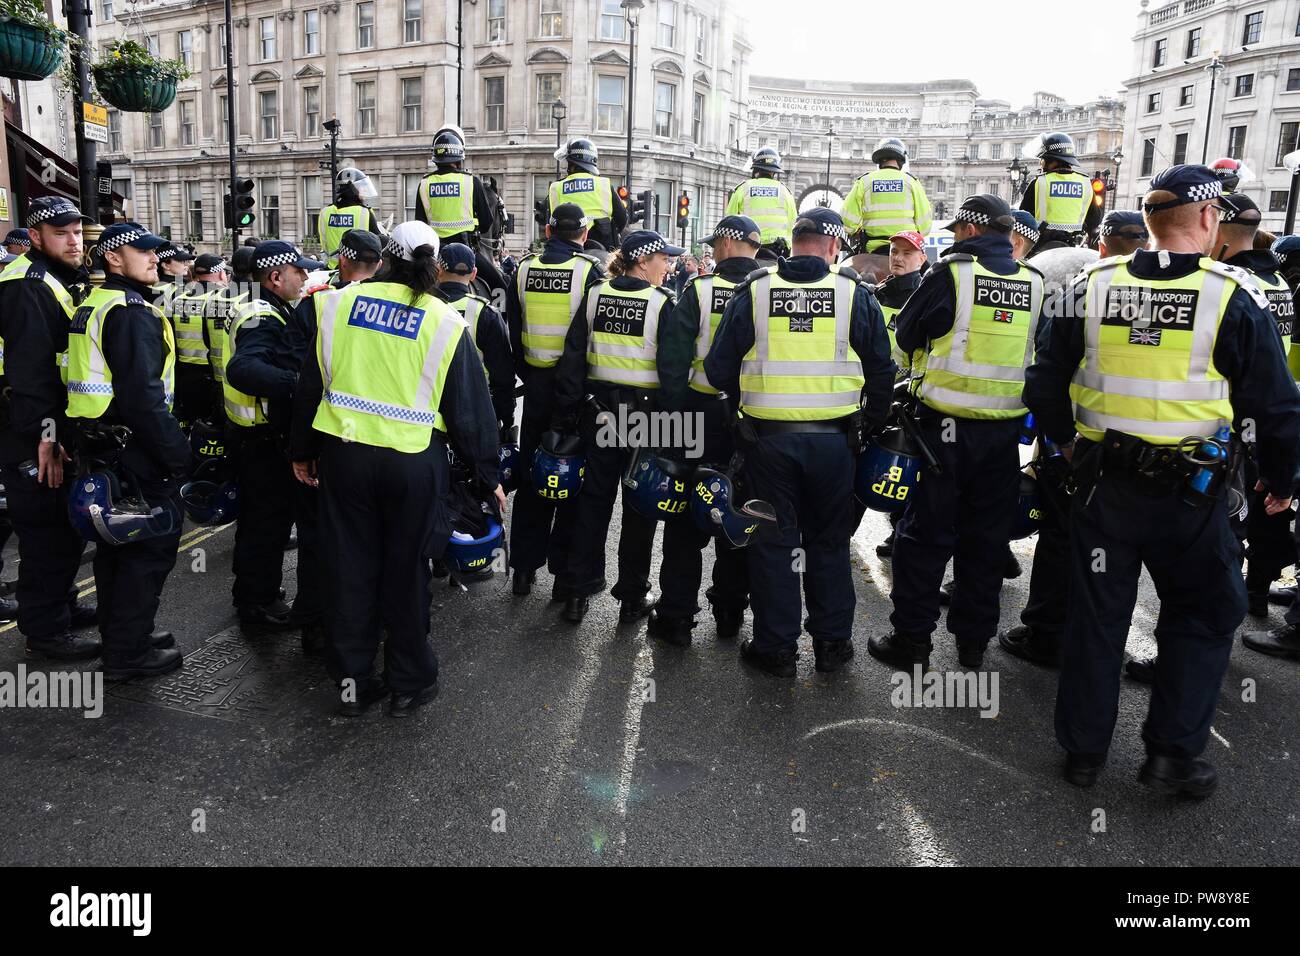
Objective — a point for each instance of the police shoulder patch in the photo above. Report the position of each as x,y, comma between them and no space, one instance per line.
1111,262
958,257
594,259
849,272
35,271
1239,276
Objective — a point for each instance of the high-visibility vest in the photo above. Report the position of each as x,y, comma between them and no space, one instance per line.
900,357
549,297
769,203
187,312
590,192
712,293
24,268
384,361
333,221
1281,304
90,380
977,368
448,201
1061,200
1148,365
801,366
470,308
623,334
885,202
218,320
243,409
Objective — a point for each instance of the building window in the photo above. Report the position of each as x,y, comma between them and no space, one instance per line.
1148,158
1193,43
266,31
123,188
194,210
413,20
311,205
412,104
311,32
941,151
1288,141
1153,102
187,122
1245,85
1180,149
665,95
152,44
223,47
494,102
106,11
365,25
268,109
162,209
410,193
613,25
697,119
268,202
1161,52
548,91
552,19
995,151
609,104
1236,142
185,48
701,37
1277,200
365,95
665,206
667,24
1293,79
496,14
156,138
311,112
114,131
223,116
974,150
1186,95
1254,27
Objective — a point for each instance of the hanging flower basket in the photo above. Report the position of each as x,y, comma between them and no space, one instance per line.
28,51
135,81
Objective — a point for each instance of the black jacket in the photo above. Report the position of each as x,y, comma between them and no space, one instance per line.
1247,352
266,362
493,342
34,328
466,408
553,253
735,337
133,351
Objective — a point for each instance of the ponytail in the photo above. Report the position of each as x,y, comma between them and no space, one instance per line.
616,265
420,275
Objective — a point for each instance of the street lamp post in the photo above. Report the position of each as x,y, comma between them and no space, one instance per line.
558,112
78,14
230,126
830,149
1115,157
334,126
1017,170
632,12
1292,163
1215,67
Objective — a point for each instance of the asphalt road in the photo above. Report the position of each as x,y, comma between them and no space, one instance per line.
544,748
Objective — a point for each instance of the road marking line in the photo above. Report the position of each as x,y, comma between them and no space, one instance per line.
1220,738
926,849
642,667
923,731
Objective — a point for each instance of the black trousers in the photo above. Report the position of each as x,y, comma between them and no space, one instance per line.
808,478
265,514
382,519
129,580
49,554
1194,561
306,516
1272,547
195,394
541,531
1049,580
964,514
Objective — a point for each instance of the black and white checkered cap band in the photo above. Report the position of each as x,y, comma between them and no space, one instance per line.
831,229
726,232
279,259
117,242
18,241
586,155
972,216
1024,230
395,248
649,249
167,253
42,215
1204,191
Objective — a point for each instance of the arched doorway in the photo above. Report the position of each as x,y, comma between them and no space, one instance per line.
821,195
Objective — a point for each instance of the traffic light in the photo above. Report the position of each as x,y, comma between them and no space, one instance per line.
683,210
641,207
1098,190
238,209
541,213
625,197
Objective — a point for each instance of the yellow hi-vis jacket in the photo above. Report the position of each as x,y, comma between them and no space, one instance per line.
623,334
90,380
712,293
549,297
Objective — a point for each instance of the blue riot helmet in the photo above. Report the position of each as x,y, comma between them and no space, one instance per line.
888,470
558,465
211,497
656,487
1029,508
472,551
712,501
508,467
105,510
207,440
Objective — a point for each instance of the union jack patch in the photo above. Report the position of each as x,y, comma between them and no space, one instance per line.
1001,315
801,323
1144,336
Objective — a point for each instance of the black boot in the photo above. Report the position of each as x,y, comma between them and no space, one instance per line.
575,609
64,647
728,621
83,615
162,640
1082,770
629,611
1257,603
1281,641
1283,594
1172,775
1012,567
1027,644
405,705
886,548
832,655
672,630
970,655
367,692
1141,669
261,619
151,664
523,584
780,664
900,651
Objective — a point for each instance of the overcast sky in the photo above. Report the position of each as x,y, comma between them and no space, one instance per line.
1007,51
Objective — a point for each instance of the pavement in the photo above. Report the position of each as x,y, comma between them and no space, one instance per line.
588,745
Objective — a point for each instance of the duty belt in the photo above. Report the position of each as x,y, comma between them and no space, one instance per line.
834,426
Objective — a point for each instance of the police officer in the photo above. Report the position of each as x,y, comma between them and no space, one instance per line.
1123,232
121,372
17,242
354,197
886,201
1168,324
38,292
974,316
685,335
188,307
541,304
1024,234
403,380
767,201
261,371
798,343
1060,198
173,265
589,191
456,274
609,352
456,204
